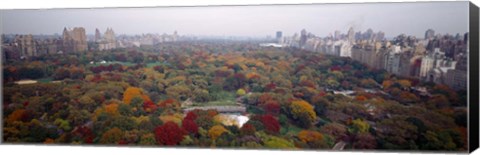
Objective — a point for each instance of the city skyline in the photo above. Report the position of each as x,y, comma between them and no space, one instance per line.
255,21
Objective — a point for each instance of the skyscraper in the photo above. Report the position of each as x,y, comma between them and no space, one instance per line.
429,34
279,36
351,35
303,37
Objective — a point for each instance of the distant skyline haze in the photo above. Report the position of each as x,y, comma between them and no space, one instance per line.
255,20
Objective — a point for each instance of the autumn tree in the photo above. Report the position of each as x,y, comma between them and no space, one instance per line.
359,126
240,92
178,92
112,109
61,73
169,134
404,84
312,138
337,130
149,106
190,126
272,108
201,95
132,92
270,123
16,115
216,131
274,142
365,141
147,139
191,115
320,104
247,129
302,112
396,133
438,101
112,136
309,136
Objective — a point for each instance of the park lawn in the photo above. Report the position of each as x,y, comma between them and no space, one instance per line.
150,65
45,80
227,99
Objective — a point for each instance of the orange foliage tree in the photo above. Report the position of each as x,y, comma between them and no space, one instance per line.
112,109
309,136
361,98
132,92
16,115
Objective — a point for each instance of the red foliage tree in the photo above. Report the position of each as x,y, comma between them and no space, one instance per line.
168,103
149,106
190,126
169,134
271,124
85,133
191,115
271,107
271,86
247,129
97,78
122,142
336,68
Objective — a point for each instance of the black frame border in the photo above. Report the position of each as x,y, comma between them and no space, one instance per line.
473,109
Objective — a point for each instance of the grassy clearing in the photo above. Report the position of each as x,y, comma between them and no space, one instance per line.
150,65
45,80
224,99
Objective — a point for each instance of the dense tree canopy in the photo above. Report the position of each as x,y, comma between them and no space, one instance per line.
170,94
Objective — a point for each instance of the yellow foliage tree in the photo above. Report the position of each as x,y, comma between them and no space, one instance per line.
240,92
176,118
216,131
303,112
360,125
404,83
140,119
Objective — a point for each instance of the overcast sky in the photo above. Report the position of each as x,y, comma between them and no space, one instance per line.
321,20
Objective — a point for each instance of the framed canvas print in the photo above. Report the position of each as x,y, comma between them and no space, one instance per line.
389,77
